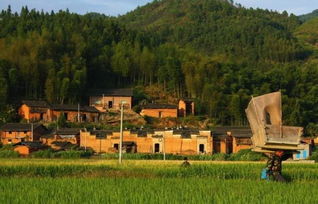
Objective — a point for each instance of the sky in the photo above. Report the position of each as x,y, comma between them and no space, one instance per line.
120,7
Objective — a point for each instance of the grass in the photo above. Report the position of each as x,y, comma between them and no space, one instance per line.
104,181
156,190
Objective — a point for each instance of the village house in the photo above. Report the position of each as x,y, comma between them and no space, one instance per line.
241,138
231,139
71,135
74,113
25,148
222,141
42,111
31,110
110,99
149,141
12,133
185,107
159,110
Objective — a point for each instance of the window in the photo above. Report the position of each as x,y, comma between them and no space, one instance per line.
65,116
22,139
116,146
9,141
157,148
201,148
84,117
10,132
160,114
110,104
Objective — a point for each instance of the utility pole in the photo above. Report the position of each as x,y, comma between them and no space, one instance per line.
31,131
78,112
121,131
164,147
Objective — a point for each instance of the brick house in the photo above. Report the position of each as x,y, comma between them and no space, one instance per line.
43,111
185,107
12,133
71,135
231,139
25,148
110,99
150,141
241,138
159,110
34,110
71,112
222,141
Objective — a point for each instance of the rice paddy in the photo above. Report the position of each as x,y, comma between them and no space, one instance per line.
104,181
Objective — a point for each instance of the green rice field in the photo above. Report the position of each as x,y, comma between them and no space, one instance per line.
104,181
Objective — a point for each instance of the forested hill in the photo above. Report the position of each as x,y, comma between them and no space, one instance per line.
213,26
211,50
309,16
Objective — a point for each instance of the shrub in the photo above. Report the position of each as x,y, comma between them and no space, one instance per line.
314,156
6,153
220,157
7,147
72,154
247,155
48,153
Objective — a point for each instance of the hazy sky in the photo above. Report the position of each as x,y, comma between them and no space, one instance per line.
118,7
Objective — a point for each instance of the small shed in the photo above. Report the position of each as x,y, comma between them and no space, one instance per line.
186,107
104,99
160,110
25,148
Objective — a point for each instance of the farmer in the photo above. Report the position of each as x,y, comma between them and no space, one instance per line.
274,165
185,163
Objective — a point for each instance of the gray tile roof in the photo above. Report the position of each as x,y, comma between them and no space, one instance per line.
19,127
236,131
68,107
36,103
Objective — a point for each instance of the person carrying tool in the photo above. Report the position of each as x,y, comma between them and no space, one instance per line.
274,165
185,163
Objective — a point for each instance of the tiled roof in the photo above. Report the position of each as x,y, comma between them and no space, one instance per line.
19,127
38,110
235,131
64,145
40,106
159,106
36,145
111,92
102,134
36,104
187,99
190,131
68,131
68,107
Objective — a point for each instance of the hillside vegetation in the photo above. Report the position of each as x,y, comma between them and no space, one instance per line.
309,16
210,50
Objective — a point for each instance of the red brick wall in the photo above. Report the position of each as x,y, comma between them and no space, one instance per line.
173,113
173,144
